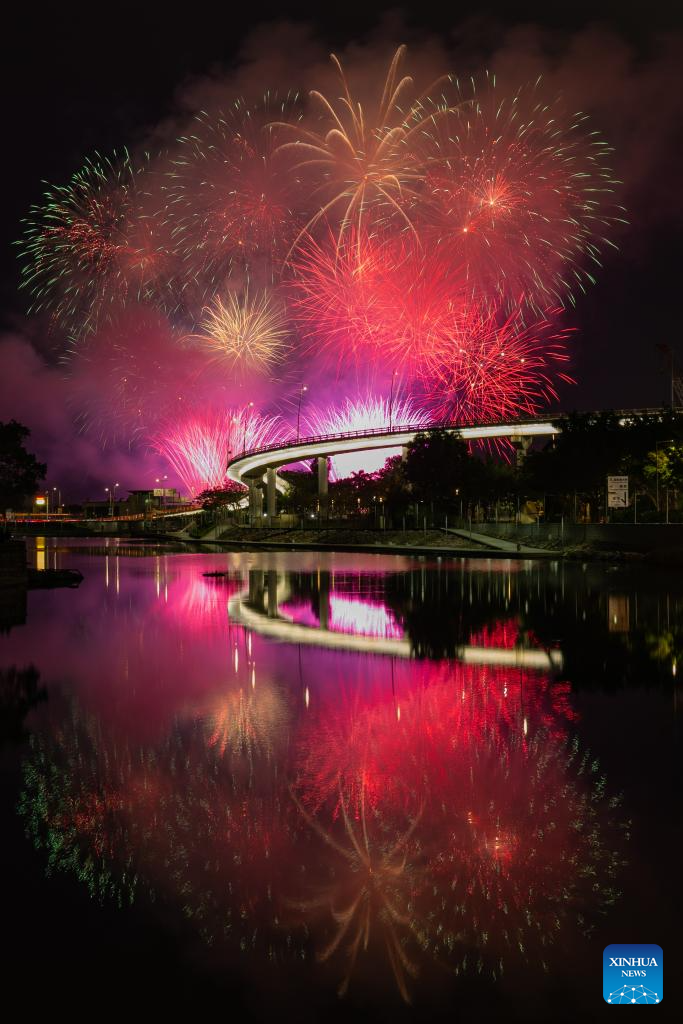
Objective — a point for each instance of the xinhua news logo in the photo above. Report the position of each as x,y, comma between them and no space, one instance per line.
633,973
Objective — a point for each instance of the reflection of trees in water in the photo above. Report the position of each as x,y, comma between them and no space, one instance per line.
19,694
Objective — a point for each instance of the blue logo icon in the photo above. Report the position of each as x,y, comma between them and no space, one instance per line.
633,973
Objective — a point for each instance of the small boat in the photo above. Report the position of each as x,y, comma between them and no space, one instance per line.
54,578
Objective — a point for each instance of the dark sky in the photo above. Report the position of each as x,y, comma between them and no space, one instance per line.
79,79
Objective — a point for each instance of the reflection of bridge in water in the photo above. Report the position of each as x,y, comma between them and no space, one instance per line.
263,608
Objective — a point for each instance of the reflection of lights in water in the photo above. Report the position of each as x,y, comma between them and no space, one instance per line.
362,618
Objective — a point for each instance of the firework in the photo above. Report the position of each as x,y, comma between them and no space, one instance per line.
88,249
230,207
490,367
200,446
127,377
360,414
519,192
243,333
365,169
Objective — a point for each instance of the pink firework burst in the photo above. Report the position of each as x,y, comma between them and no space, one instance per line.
495,367
366,413
200,446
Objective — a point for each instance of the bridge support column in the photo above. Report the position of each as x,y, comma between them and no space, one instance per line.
323,496
271,484
521,445
255,501
404,453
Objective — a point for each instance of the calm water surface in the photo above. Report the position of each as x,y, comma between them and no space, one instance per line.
336,786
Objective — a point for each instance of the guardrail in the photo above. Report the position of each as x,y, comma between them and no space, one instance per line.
406,428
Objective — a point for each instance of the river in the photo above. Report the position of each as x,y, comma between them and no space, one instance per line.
336,786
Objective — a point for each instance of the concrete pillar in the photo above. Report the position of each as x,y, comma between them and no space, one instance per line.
323,496
404,453
255,502
271,480
521,445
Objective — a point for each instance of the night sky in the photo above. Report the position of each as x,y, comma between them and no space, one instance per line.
96,79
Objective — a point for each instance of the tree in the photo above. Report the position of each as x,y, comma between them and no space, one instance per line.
438,464
229,496
20,471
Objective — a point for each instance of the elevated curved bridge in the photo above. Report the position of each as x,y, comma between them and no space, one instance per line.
260,465
256,465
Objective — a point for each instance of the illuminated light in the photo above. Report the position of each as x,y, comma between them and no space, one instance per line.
398,712
307,697
525,726
253,678
40,501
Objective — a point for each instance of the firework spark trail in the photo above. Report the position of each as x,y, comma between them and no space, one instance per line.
435,234
245,334
362,414
519,191
365,169
492,368
200,447
88,249
230,207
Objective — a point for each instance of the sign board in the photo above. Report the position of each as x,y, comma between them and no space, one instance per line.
617,492
164,492
9,515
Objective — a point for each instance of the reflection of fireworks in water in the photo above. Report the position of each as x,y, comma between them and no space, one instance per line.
372,888
88,249
362,618
247,720
511,835
531,849
243,333
200,447
363,414
87,804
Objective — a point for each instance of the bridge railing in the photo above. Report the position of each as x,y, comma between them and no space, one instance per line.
405,428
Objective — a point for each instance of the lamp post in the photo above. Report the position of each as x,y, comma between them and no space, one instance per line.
112,493
298,411
246,421
56,491
391,400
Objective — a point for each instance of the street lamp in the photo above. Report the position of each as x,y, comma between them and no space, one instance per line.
298,411
391,400
56,490
112,494
246,420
